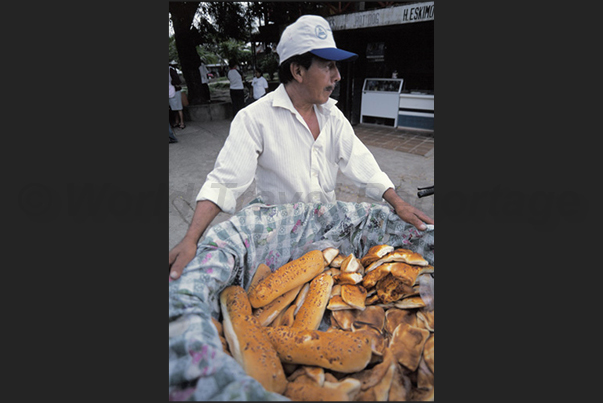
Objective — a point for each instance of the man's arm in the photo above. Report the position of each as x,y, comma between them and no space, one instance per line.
185,250
405,211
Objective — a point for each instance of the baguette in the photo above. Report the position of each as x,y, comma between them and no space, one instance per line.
336,350
269,312
261,273
301,297
247,343
287,277
311,312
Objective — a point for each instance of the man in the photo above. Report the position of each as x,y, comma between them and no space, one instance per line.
204,80
172,92
292,142
259,84
237,95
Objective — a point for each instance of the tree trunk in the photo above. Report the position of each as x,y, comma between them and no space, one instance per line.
186,44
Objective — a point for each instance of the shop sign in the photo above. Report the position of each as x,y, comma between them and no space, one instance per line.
384,16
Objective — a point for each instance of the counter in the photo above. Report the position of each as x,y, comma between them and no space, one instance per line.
416,111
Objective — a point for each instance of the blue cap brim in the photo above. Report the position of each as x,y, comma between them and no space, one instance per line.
334,54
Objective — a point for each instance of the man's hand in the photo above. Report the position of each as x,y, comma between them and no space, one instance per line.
185,251
180,256
413,216
407,212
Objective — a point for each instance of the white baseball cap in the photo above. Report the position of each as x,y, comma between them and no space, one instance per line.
310,33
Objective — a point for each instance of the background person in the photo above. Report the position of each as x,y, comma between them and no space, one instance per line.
176,100
259,85
237,94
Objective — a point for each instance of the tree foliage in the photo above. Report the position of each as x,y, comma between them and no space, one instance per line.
223,28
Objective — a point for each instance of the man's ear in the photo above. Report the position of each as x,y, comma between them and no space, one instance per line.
296,71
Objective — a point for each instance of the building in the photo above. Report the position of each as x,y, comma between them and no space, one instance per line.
395,45
392,41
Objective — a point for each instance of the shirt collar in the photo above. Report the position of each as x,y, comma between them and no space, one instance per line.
281,99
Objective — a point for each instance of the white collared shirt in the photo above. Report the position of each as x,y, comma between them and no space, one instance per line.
236,81
259,87
270,142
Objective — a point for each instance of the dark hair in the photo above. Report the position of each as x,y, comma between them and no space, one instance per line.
232,63
284,71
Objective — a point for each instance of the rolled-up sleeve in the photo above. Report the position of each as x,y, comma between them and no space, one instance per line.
235,166
358,164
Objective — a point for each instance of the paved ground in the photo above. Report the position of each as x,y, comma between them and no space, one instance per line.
406,156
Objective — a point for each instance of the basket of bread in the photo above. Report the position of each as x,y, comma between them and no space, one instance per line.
305,302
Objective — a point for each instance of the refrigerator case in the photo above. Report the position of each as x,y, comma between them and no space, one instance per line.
380,100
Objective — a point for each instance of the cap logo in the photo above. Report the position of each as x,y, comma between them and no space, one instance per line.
321,33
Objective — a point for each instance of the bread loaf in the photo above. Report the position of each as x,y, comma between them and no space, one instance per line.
337,350
248,344
269,312
287,277
312,310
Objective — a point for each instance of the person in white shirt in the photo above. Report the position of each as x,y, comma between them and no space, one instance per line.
204,81
237,95
259,85
292,142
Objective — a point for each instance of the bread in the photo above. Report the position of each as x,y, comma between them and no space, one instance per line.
375,253
390,289
353,295
407,344
344,317
395,316
218,326
426,319
408,273
261,273
407,256
348,278
398,255
373,316
288,316
247,343
337,350
304,388
372,277
336,262
351,265
329,254
311,312
380,391
337,304
269,312
287,277
301,297
428,352
410,302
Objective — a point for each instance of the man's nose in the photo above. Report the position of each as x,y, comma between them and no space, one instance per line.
336,75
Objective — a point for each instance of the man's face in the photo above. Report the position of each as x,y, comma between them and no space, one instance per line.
319,80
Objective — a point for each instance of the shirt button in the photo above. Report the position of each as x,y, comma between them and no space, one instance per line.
315,174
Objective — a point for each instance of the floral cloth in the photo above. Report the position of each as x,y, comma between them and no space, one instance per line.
230,254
